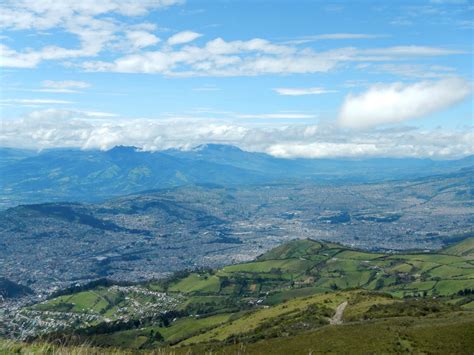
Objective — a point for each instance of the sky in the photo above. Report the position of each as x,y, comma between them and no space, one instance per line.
311,79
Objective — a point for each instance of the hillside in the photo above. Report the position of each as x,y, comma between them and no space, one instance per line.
464,249
302,286
10,289
449,333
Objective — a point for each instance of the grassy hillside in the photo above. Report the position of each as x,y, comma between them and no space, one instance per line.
464,249
296,290
447,335
435,333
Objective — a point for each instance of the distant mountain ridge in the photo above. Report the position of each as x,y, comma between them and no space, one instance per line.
94,175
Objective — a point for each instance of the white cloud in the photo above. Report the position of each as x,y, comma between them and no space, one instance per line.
418,71
44,14
10,58
65,84
207,88
97,114
322,150
411,51
345,36
283,115
84,129
62,87
221,58
34,101
385,104
141,39
449,1
183,37
333,36
301,91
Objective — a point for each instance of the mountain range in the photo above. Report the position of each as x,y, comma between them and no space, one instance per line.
94,175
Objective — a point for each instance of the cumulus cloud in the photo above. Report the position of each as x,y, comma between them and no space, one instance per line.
183,37
43,14
385,104
301,91
87,130
10,58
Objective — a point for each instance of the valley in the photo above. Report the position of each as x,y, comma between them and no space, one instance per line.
152,234
220,250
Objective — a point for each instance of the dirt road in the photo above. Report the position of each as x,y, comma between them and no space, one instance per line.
337,318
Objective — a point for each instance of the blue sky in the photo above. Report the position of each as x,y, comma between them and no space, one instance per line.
290,78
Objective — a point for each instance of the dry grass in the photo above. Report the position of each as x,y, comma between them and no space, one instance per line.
12,347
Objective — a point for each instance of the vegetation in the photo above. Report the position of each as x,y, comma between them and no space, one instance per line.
284,302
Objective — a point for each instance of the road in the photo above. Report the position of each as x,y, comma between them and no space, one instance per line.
337,318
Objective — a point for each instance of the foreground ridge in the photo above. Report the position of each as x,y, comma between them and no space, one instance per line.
288,298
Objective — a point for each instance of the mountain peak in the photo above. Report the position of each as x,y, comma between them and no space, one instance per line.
213,147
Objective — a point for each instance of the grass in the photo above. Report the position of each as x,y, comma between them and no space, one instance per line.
464,249
286,295
203,283
447,271
440,334
449,287
293,249
444,335
138,338
286,266
11,347
357,255
82,302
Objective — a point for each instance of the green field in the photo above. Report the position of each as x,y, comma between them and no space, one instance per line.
198,283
